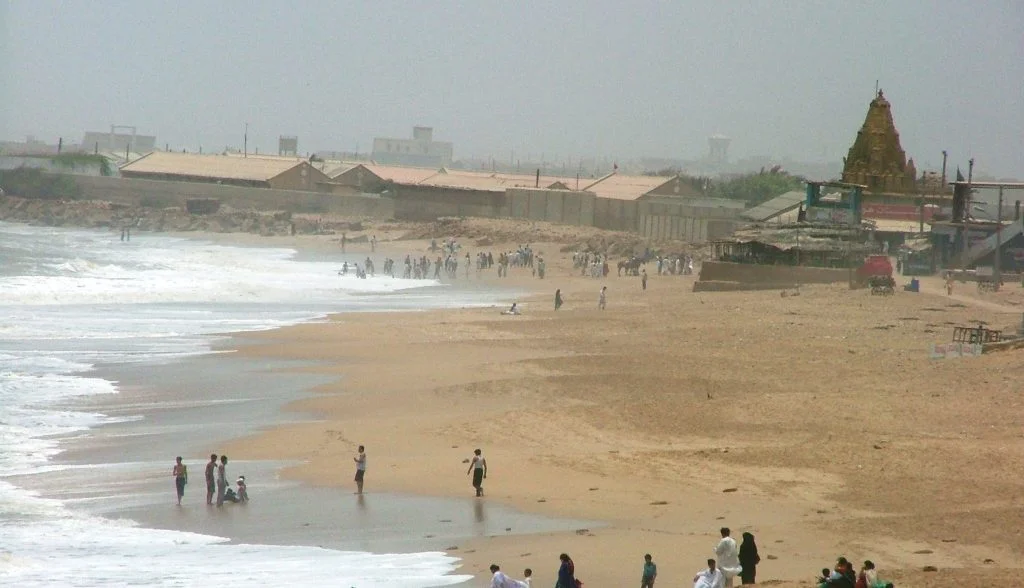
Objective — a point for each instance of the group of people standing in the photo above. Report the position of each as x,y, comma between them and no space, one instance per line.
732,560
216,481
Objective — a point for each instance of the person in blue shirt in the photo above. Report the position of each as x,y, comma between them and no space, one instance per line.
650,573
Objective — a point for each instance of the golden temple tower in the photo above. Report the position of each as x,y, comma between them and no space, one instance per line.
876,159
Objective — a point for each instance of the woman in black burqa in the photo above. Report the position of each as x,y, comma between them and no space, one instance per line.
748,559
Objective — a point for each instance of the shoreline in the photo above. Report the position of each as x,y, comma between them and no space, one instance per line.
657,420
107,442
469,377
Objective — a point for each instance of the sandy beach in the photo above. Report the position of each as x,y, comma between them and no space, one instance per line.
816,421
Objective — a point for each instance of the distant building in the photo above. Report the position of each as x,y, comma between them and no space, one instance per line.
876,159
288,145
95,141
718,149
422,150
255,172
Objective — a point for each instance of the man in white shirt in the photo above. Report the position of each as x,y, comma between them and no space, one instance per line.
728,554
709,578
500,580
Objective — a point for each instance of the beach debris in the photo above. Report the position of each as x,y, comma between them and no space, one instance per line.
923,552
989,560
585,532
428,536
525,554
730,490
445,521
949,540
659,503
451,548
929,569
592,489
542,500
770,557
508,529
465,460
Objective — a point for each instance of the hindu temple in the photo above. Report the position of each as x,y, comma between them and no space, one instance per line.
877,160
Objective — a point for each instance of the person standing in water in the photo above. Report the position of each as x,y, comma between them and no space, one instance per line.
222,479
360,460
478,466
211,484
180,473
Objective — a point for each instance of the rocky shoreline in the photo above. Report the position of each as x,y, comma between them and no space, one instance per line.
98,214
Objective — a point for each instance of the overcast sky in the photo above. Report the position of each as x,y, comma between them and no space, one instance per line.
616,79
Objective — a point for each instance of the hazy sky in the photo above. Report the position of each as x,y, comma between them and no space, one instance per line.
617,79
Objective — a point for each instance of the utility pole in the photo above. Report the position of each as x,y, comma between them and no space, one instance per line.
997,265
944,155
245,142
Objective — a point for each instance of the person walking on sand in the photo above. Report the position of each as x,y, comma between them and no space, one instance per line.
222,479
602,298
558,299
650,572
180,473
748,559
728,557
211,485
360,460
643,280
478,467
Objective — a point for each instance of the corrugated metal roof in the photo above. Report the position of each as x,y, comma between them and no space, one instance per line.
621,187
334,169
781,204
401,175
256,169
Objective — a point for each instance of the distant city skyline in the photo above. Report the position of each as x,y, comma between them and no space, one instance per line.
599,79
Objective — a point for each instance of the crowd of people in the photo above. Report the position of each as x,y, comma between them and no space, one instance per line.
731,561
843,575
216,481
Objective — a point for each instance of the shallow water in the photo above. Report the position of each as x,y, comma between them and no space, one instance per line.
71,300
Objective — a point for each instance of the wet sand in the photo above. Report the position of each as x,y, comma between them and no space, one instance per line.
817,422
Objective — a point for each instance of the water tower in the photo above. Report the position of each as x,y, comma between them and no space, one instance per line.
718,148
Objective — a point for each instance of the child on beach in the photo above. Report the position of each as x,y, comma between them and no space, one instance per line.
180,473
243,493
527,577
649,574
478,467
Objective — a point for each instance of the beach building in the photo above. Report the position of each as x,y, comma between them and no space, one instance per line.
422,150
101,141
253,172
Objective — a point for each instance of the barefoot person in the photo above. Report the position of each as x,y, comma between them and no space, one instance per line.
180,473
211,486
222,479
360,460
478,466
